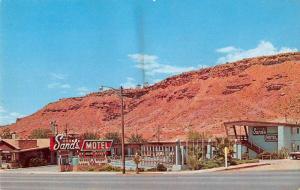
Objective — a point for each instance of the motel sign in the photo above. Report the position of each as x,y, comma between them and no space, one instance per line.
96,145
61,142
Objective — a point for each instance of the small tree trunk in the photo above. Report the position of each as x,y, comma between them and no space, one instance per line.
137,169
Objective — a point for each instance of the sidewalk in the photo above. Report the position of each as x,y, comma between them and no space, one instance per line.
54,170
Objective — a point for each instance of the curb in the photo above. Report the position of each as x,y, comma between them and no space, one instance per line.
242,167
220,169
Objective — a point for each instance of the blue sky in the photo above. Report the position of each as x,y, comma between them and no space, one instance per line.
51,49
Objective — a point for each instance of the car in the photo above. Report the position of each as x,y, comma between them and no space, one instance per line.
295,155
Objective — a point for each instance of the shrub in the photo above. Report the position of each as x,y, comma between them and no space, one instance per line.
212,164
136,138
37,162
274,155
194,163
221,143
113,136
6,134
283,153
161,168
247,161
100,168
233,162
89,135
151,170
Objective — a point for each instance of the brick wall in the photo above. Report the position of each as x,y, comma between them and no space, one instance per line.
25,144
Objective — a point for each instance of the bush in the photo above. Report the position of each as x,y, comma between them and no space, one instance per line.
247,161
100,168
89,135
237,161
5,133
193,163
212,164
37,162
283,153
136,138
274,155
151,170
108,167
113,136
161,168
233,162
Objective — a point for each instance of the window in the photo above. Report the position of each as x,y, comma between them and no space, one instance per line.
298,147
298,130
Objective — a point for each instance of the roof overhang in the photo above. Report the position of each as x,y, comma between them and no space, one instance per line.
258,124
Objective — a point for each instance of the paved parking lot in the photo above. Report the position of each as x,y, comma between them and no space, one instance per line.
276,165
41,169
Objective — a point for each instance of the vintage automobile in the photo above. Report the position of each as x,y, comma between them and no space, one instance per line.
295,155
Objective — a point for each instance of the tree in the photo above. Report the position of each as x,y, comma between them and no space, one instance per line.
221,143
136,138
113,136
6,134
137,160
196,136
193,135
89,135
40,133
197,149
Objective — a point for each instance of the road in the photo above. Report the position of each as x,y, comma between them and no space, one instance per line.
265,180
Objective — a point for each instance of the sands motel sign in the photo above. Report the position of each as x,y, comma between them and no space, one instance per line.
60,142
83,151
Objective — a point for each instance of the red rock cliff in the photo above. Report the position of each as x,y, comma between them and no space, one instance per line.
264,88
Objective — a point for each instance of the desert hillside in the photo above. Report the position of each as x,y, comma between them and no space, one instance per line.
264,88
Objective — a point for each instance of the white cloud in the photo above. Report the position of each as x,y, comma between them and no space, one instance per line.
227,49
59,85
58,76
58,82
263,48
2,110
83,91
152,67
140,58
8,117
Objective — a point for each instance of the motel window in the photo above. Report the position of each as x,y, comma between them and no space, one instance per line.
298,130
298,147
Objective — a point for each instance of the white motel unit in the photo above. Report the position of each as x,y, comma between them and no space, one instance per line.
255,137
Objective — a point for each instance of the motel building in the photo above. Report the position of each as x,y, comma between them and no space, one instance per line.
255,137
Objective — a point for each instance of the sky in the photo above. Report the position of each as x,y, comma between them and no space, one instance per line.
52,49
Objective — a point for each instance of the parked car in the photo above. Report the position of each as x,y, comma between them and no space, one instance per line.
295,155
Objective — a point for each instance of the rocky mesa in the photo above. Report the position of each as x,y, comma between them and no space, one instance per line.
264,88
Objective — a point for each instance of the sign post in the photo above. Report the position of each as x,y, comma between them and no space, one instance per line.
225,154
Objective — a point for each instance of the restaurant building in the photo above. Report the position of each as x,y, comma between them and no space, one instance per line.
18,152
257,137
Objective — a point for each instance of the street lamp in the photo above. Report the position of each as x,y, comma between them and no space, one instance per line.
120,94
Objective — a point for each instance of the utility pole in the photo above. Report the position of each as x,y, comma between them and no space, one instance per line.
120,93
122,123
158,133
202,147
